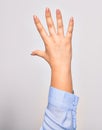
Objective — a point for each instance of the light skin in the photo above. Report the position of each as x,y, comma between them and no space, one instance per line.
58,49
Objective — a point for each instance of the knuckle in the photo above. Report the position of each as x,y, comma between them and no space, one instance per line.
40,29
48,16
70,30
50,25
60,25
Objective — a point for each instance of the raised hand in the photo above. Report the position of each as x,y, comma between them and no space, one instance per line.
58,47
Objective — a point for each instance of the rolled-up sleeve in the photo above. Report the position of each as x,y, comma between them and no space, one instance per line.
60,113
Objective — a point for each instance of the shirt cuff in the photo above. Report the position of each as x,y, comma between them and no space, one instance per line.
62,99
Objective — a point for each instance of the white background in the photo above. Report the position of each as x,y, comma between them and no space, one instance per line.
25,80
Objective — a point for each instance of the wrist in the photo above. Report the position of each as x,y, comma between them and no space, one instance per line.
61,69
61,78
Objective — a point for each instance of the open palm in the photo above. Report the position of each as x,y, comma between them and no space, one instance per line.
58,47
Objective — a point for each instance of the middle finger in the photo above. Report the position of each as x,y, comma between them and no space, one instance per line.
49,22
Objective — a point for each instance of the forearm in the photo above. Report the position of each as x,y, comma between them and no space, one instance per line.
61,78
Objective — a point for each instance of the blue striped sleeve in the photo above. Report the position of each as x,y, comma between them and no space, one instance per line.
60,113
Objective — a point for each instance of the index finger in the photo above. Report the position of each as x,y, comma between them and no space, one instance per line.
40,29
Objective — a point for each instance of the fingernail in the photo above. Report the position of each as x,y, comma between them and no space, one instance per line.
47,9
72,19
58,11
31,54
35,17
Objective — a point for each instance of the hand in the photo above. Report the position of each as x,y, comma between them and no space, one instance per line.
58,47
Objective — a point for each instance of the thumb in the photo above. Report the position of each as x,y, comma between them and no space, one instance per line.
38,53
